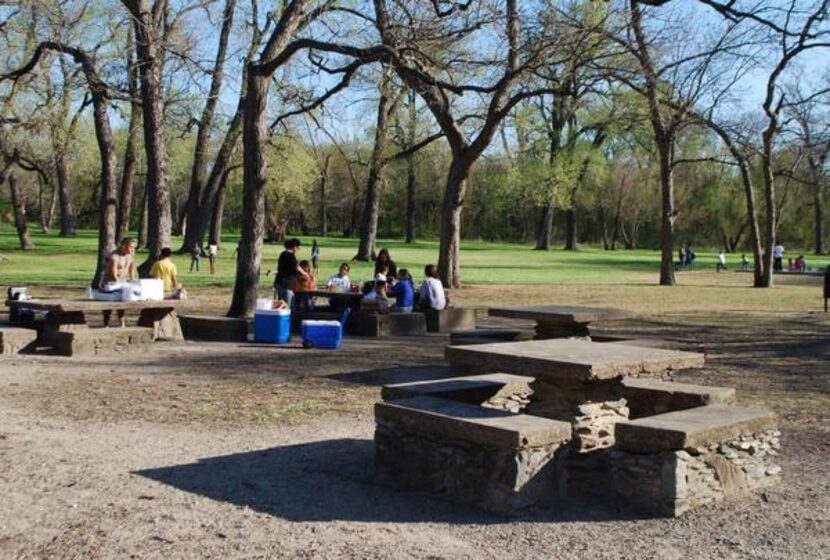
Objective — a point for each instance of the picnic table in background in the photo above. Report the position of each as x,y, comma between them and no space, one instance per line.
558,321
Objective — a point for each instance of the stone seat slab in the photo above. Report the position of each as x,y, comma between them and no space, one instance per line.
16,339
694,427
465,422
648,397
570,359
487,335
214,328
93,341
470,389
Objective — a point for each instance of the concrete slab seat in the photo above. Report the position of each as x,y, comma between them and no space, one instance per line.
500,391
627,340
214,328
648,397
671,463
486,336
451,319
14,340
496,460
389,324
95,341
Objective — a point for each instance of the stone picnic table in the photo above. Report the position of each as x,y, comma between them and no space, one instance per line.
558,321
575,380
66,314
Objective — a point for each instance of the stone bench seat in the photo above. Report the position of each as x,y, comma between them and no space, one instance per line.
495,390
95,341
214,328
674,462
497,460
14,340
649,397
451,319
485,336
388,324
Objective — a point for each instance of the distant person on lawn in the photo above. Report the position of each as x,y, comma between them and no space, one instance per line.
315,258
432,291
120,268
721,264
778,257
165,270
213,253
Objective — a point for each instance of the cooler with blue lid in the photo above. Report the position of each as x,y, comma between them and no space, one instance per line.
322,334
272,325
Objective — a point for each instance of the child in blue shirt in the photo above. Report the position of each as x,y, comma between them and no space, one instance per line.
404,292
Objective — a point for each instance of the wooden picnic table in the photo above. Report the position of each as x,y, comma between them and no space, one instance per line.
558,321
66,314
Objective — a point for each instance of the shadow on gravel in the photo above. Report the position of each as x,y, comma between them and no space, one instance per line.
334,481
385,376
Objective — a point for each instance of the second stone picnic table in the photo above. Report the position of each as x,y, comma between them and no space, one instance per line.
558,321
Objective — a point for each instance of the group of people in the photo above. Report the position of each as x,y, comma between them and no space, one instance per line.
197,252
686,257
391,290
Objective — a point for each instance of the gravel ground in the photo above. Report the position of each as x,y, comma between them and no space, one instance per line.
199,450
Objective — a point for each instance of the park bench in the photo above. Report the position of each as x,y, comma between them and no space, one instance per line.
486,336
451,319
499,461
214,328
649,397
84,340
671,463
495,390
14,340
370,323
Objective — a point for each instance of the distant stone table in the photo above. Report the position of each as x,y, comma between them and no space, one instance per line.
558,321
575,380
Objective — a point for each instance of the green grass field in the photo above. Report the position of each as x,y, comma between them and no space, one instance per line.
71,262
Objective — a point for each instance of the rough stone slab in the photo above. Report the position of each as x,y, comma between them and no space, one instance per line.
647,397
214,328
88,305
407,324
691,428
16,339
557,313
570,360
465,422
451,319
628,341
473,389
86,341
486,336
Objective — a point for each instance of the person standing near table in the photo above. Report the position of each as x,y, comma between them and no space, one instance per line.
288,269
120,268
778,257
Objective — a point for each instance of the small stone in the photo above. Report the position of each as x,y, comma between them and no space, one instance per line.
773,470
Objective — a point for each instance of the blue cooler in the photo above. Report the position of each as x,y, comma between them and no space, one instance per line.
322,334
272,325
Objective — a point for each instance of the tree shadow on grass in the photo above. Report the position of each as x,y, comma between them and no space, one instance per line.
333,480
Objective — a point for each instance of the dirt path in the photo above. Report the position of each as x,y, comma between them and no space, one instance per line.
236,451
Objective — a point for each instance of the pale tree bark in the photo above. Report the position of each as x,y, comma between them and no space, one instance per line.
218,211
411,177
148,18
130,160
19,205
199,169
324,179
143,220
374,183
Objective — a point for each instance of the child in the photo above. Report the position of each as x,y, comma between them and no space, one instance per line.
315,258
721,264
744,262
376,299
303,285
213,252
340,282
404,292
195,257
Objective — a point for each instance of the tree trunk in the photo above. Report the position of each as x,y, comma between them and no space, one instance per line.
817,171
324,215
44,211
570,228
411,180
450,241
371,205
217,212
107,203
665,148
67,209
19,205
254,137
148,27
130,160
770,203
198,171
545,229
142,221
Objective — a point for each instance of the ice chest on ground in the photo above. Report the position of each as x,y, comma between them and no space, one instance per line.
272,325
322,334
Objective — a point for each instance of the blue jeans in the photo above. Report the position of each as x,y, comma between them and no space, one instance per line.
282,290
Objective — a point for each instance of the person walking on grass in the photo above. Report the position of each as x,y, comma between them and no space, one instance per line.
315,258
195,257
120,268
213,253
721,264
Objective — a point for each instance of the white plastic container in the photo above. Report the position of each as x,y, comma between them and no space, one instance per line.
150,289
264,303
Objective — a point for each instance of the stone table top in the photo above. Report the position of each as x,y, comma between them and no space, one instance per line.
89,305
693,427
564,360
557,313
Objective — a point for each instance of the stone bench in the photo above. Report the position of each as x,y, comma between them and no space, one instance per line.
214,328
499,461
648,397
644,342
95,341
485,336
451,319
389,324
14,340
671,463
501,391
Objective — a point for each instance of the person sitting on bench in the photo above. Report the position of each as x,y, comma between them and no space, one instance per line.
432,291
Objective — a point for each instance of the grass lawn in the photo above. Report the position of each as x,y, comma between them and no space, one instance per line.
626,279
